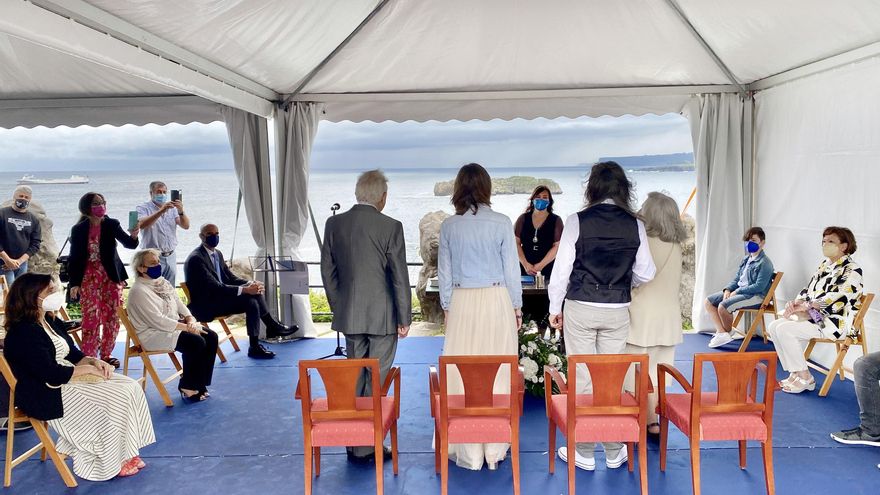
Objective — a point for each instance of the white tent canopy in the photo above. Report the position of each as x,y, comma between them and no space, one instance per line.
75,62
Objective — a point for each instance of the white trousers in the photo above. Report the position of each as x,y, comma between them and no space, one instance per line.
790,339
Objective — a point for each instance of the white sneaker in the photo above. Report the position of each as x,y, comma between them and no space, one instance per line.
736,335
616,462
720,339
585,463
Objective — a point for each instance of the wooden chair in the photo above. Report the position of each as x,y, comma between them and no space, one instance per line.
4,289
341,418
75,333
606,414
46,445
842,345
221,337
731,413
478,415
133,348
767,307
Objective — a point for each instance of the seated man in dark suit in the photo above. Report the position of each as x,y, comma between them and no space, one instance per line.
216,291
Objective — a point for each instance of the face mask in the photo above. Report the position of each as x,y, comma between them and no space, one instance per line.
160,198
154,272
540,204
830,250
22,204
212,240
99,211
53,302
752,247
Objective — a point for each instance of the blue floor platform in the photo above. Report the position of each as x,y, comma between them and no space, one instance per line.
247,438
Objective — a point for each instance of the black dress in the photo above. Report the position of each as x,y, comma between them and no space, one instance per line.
536,243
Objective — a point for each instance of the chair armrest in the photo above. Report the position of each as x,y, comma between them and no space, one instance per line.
664,369
770,379
650,382
433,387
551,373
393,377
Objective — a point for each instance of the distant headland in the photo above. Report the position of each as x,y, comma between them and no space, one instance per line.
506,185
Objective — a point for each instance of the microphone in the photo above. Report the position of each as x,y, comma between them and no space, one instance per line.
335,207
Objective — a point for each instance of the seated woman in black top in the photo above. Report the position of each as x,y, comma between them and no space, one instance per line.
101,417
537,232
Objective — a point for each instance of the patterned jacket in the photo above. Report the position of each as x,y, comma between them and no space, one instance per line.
837,287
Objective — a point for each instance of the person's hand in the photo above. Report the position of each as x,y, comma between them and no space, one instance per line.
134,232
529,268
176,204
87,369
445,316
252,289
556,321
816,305
402,331
538,267
727,294
261,285
11,264
167,206
105,369
518,314
74,292
195,328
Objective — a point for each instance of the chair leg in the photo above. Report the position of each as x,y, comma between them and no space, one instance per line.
838,365
444,466
7,466
845,349
764,327
514,460
742,454
664,436
43,434
229,334
767,452
643,461
221,355
127,356
380,459
630,462
148,366
394,448
316,453
436,449
307,465
695,464
570,450
551,445
751,333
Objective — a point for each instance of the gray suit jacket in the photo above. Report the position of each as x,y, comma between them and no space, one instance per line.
363,265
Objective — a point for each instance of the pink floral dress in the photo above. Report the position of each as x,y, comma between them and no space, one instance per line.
100,299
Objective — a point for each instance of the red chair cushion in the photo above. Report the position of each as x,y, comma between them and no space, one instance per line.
476,429
610,428
715,426
350,432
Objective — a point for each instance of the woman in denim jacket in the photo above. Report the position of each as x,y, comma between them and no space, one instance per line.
480,292
747,289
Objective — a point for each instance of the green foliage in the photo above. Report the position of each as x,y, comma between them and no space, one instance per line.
535,352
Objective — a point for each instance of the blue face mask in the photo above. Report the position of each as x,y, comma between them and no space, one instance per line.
540,204
154,272
160,198
752,247
212,240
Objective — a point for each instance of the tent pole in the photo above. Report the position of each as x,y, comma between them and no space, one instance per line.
720,63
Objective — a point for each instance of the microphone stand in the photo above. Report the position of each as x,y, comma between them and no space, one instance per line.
340,351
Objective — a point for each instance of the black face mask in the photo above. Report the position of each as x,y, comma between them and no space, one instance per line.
22,204
212,240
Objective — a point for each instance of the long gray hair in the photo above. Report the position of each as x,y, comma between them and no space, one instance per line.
662,219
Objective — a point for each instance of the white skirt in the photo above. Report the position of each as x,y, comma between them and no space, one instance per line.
480,322
104,425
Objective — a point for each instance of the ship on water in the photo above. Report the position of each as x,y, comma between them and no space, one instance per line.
73,179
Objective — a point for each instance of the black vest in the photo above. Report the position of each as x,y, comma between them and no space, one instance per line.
604,255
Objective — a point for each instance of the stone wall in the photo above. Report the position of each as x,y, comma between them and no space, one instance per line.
688,270
429,242
45,259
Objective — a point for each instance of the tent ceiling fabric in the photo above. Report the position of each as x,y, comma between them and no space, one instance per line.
431,48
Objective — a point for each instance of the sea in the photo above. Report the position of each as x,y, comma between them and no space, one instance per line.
211,196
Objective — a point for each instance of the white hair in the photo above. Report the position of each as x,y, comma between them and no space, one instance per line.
662,219
137,260
371,185
24,189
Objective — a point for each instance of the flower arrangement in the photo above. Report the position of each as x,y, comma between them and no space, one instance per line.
534,353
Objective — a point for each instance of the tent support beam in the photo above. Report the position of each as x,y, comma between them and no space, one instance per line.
826,64
517,94
103,102
311,75
693,30
99,20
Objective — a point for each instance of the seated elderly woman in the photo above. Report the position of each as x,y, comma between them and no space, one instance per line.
101,418
824,308
163,322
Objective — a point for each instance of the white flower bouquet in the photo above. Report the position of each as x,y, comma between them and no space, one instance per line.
534,353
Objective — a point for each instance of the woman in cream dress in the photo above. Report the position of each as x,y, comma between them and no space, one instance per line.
655,312
481,292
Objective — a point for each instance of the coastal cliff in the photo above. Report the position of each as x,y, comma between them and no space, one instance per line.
506,185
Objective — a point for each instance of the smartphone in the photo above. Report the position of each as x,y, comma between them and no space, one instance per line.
175,195
132,220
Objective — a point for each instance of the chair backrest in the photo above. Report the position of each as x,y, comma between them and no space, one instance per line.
770,297
340,379
129,328
737,380
6,371
859,321
186,292
607,373
478,378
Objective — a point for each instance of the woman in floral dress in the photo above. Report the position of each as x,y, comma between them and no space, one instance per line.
97,275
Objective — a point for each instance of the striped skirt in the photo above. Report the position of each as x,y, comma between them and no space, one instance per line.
104,425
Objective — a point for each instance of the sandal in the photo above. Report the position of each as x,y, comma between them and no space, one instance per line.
654,429
786,382
799,385
129,468
190,399
112,361
140,462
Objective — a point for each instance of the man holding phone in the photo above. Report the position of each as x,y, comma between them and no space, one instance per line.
158,220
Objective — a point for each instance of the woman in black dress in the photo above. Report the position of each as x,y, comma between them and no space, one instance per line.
537,232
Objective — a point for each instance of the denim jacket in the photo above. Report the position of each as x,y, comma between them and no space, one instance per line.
478,251
759,276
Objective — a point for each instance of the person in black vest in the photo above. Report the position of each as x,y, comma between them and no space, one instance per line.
537,233
603,253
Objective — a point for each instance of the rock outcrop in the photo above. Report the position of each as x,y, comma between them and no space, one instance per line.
506,185
688,270
45,261
429,243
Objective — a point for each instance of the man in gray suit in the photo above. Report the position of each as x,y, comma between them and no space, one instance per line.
363,265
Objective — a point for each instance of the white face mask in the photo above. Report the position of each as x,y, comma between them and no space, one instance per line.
53,302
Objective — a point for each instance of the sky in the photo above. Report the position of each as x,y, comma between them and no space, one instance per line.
348,145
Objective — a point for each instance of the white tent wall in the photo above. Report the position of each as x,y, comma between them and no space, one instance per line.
818,150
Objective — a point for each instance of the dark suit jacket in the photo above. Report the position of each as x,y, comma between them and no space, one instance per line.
111,232
31,356
363,265
209,294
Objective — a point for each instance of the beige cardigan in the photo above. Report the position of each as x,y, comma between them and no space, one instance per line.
154,319
655,314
